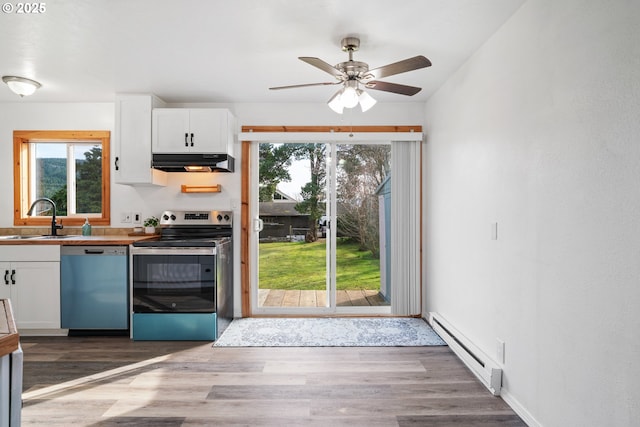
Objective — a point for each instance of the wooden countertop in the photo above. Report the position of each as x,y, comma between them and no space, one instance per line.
9,337
113,240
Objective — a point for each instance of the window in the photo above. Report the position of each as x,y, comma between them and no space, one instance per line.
69,167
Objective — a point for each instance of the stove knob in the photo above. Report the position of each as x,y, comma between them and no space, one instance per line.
226,218
173,217
219,217
165,217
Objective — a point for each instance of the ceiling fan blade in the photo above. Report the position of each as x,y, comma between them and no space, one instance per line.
319,63
403,66
393,87
304,85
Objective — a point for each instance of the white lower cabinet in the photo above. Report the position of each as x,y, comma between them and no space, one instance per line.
32,286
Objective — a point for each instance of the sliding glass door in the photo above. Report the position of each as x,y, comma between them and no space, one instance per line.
321,228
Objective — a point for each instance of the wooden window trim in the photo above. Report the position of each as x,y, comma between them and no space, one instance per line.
21,138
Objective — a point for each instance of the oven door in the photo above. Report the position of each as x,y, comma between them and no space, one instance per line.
174,280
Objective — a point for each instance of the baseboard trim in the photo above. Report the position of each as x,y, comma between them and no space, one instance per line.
43,332
519,409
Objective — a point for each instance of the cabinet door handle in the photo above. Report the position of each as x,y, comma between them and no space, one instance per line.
186,143
192,140
13,277
6,277
117,163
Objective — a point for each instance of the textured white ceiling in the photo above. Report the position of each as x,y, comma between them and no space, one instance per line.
233,51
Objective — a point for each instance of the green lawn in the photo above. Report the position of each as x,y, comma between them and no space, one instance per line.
299,265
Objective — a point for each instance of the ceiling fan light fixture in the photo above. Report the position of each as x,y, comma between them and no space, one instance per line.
20,85
335,102
349,95
366,101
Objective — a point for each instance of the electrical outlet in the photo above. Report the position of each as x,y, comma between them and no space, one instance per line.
137,218
500,350
125,217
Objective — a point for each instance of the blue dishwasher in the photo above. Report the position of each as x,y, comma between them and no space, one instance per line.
94,291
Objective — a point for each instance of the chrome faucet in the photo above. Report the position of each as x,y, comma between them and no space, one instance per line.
54,227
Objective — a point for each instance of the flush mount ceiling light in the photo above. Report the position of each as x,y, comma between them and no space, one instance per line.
20,85
354,74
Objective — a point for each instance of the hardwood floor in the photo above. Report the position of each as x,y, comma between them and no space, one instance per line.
298,298
115,381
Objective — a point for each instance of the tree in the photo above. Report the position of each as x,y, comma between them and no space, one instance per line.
363,168
313,196
275,160
89,182
51,181
60,199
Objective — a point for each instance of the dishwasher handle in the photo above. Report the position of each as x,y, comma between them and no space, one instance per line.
94,251
90,250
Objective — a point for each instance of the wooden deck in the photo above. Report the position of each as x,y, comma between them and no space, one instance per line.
298,298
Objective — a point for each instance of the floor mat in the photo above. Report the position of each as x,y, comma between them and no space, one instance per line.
328,332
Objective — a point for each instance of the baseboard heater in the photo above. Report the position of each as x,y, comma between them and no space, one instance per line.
479,363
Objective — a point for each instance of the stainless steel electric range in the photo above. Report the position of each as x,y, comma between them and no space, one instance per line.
182,287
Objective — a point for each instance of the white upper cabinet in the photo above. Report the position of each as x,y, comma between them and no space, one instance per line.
132,148
192,130
170,130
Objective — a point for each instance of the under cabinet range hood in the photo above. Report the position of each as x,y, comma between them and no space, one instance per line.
193,162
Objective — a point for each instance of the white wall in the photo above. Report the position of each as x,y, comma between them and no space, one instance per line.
539,133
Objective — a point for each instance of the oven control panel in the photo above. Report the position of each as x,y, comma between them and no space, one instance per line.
196,218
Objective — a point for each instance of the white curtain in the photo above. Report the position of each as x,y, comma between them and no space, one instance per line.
405,228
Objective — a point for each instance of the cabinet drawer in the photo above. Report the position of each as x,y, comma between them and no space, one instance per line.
30,253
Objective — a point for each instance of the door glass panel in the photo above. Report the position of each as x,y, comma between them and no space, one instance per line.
363,196
292,250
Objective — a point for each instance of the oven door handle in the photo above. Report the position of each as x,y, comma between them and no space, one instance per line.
173,251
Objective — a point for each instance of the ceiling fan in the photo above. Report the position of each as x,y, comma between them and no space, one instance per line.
356,75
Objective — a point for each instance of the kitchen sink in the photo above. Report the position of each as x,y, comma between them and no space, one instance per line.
33,237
